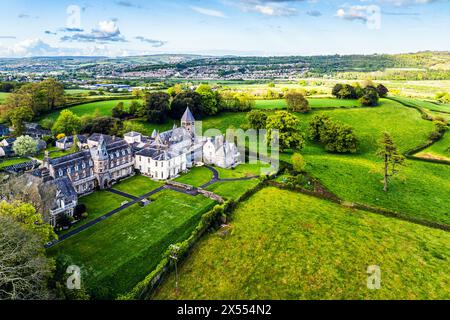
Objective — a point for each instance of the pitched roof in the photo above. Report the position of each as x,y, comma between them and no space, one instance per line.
187,116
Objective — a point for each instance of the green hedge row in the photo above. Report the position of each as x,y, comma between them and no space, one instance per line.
212,219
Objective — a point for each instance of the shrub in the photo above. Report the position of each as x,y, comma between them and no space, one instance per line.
296,102
335,136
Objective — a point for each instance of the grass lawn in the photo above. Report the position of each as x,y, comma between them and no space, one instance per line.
12,161
432,106
196,177
420,190
313,102
104,108
438,150
117,253
232,189
3,96
137,185
242,170
285,245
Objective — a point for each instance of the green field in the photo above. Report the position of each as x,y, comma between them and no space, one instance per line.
3,96
438,150
232,189
313,102
137,185
196,177
420,190
243,170
431,106
285,245
117,253
104,108
97,204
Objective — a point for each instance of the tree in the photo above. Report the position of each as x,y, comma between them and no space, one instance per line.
193,100
387,150
176,90
210,99
75,148
288,128
298,162
119,111
25,146
370,97
104,125
296,102
26,215
344,91
338,137
157,107
30,189
24,268
256,119
382,90
53,92
236,101
316,125
135,108
67,123
335,136
18,116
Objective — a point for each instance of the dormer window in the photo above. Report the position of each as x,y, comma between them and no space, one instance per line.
76,167
83,165
117,154
69,170
111,156
60,172
123,152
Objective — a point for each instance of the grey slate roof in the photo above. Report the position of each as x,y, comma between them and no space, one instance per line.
187,116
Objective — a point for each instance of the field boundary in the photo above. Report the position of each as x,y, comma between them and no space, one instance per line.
354,205
212,219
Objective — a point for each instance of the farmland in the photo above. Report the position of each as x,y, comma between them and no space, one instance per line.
120,251
284,245
103,108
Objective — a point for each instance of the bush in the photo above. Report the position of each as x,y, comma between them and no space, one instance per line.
296,102
335,136
370,97
79,210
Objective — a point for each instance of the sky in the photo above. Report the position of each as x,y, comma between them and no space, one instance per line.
222,27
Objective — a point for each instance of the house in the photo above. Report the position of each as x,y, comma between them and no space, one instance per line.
222,153
34,130
67,142
4,130
165,155
106,161
65,197
6,147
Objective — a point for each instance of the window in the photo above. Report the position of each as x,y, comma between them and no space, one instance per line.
60,172
83,165
76,168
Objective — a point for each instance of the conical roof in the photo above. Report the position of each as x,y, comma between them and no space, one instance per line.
187,116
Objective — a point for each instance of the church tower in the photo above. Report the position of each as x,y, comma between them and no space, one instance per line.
188,121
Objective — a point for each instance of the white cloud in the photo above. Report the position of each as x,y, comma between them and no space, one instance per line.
106,31
209,12
28,48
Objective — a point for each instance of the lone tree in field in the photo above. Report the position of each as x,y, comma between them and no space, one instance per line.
296,102
391,157
287,125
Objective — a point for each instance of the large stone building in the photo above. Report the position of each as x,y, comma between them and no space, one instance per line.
165,155
105,160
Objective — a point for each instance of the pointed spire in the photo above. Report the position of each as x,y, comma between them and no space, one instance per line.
154,133
187,116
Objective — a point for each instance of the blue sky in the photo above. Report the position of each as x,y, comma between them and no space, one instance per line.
241,27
